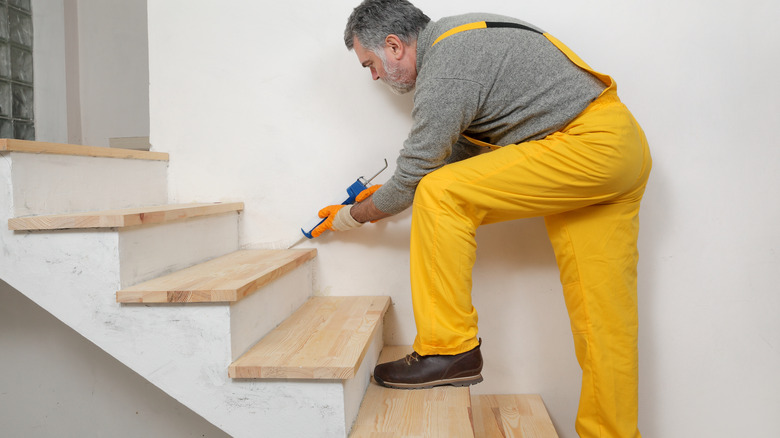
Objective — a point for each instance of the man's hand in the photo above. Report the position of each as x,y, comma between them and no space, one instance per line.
337,218
365,210
366,193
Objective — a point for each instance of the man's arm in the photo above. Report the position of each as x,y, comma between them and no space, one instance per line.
366,211
443,109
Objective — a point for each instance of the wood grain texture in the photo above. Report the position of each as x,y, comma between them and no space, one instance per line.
326,338
224,279
39,147
511,416
121,218
436,412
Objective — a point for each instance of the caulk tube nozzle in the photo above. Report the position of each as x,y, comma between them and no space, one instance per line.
308,228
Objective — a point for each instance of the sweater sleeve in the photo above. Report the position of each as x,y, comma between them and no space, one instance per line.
443,109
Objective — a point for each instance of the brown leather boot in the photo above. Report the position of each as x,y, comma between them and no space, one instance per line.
421,372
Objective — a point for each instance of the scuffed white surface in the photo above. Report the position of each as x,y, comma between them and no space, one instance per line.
149,252
53,184
183,349
263,310
355,388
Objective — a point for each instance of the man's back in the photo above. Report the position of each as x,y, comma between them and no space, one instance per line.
525,87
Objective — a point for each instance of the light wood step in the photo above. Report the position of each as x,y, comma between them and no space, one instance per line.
39,147
224,279
500,416
326,338
121,218
437,412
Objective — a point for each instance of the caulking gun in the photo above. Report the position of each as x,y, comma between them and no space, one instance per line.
352,191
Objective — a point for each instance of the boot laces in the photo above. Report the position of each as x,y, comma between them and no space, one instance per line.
412,357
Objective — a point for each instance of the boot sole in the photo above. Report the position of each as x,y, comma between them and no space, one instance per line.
460,381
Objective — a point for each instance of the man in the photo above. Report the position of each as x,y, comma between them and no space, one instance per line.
560,145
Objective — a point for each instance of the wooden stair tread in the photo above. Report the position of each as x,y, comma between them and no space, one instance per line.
498,416
224,279
40,147
437,412
121,218
326,338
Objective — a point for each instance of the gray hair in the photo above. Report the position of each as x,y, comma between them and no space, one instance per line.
373,20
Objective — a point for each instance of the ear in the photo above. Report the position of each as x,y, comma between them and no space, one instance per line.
395,46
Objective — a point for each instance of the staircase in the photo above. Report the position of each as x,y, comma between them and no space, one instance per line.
233,334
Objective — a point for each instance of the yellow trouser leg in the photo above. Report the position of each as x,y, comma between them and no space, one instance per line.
595,168
596,252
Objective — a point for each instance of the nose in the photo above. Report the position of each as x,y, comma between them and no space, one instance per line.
374,74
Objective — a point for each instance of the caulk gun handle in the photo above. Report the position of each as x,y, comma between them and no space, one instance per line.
353,191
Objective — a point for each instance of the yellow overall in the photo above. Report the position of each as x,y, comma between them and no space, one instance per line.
587,181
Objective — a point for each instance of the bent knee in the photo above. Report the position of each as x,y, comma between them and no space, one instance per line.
433,187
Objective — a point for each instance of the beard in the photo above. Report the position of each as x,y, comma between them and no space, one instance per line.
400,79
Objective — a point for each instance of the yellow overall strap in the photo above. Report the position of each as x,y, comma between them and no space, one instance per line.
606,79
482,25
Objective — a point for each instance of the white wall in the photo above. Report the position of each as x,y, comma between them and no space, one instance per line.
91,70
112,69
261,102
53,382
49,61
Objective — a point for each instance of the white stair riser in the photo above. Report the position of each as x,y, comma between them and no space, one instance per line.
54,184
256,315
355,388
148,252
285,408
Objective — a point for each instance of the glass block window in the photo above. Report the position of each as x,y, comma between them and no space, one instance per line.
17,118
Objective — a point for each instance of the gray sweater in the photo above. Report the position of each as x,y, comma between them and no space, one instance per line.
498,85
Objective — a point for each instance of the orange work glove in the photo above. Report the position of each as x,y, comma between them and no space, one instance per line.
337,218
367,192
